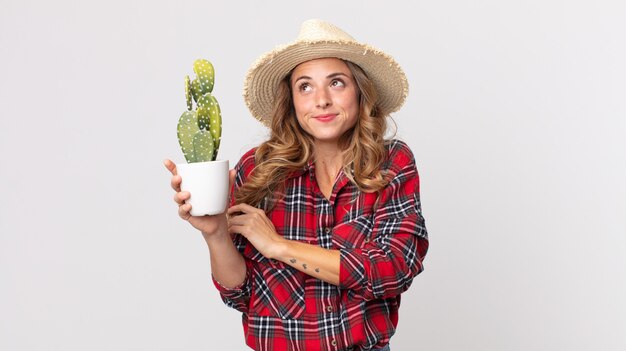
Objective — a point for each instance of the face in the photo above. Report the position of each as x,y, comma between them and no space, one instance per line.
325,97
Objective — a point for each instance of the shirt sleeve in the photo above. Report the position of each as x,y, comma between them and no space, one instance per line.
386,266
239,296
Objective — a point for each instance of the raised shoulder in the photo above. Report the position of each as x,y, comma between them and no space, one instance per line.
399,156
246,164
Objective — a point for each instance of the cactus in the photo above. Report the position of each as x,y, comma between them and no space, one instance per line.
200,130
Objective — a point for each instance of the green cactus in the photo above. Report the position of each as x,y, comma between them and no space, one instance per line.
188,93
200,130
206,75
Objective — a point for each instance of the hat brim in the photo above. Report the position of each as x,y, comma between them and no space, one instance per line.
262,80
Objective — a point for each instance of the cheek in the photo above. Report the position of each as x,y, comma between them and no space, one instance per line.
299,110
352,107
299,105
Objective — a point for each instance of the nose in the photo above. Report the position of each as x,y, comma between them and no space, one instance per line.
323,99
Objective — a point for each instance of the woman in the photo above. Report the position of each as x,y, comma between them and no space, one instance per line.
325,230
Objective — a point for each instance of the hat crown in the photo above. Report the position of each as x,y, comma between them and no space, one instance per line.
318,30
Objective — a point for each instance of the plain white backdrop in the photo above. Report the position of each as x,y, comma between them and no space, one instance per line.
516,116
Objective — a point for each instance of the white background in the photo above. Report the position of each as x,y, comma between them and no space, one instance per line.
516,116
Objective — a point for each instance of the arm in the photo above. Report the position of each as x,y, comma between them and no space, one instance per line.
229,268
230,273
227,264
386,266
313,260
253,224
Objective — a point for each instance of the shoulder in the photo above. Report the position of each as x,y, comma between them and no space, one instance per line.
399,156
246,163
402,188
248,156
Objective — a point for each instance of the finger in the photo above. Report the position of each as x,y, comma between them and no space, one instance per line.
237,229
183,211
171,166
245,208
237,220
175,182
180,197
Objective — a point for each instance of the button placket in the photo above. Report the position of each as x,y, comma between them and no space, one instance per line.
326,221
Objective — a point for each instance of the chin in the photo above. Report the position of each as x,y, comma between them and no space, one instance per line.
327,137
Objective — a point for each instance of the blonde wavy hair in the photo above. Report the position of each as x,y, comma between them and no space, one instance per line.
290,148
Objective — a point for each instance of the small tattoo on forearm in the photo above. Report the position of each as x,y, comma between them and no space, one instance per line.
317,270
304,265
293,260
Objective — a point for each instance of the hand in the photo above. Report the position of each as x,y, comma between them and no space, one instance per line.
253,224
206,224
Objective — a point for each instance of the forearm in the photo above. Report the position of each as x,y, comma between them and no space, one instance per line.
228,266
313,260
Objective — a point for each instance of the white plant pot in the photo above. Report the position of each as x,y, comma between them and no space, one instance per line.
207,182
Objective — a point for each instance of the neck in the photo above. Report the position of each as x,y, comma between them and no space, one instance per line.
328,160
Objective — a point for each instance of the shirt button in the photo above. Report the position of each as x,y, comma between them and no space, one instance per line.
327,230
333,342
329,308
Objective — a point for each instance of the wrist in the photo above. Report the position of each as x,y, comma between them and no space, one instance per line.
219,235
281,250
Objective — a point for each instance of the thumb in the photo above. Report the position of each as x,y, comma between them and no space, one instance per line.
231,178
231,182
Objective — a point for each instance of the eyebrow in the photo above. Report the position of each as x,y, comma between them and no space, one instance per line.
330,76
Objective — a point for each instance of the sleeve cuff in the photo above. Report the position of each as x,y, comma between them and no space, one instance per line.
237,291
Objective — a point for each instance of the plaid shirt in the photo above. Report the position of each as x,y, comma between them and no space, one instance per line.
381,246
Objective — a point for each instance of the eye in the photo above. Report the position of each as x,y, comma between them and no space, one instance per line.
337,83
304,87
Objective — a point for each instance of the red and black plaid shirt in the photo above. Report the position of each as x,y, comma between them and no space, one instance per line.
382,247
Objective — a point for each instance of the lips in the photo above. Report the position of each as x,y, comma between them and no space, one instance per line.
326,118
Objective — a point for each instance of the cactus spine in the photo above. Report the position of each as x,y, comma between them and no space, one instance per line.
200,130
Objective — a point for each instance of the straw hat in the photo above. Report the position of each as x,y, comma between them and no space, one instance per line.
319,39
